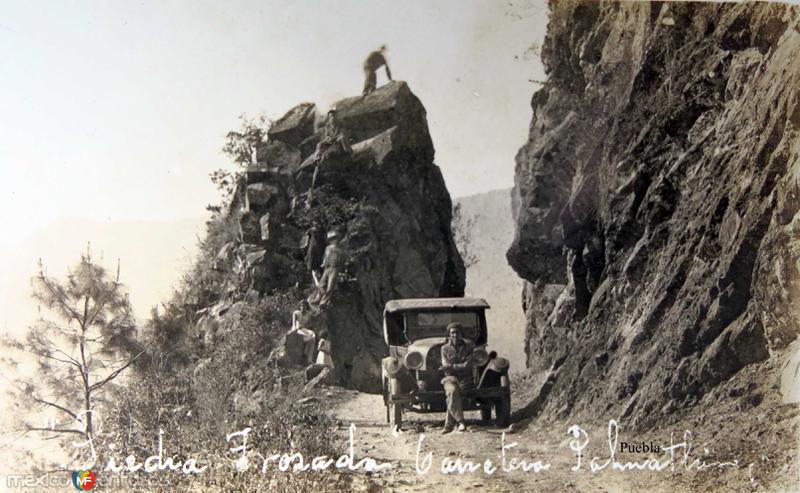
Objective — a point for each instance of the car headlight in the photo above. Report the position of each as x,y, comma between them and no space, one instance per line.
414,360
480,357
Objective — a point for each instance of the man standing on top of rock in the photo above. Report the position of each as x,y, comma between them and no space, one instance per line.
373,62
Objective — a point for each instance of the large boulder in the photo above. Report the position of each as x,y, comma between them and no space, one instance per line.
388,200
392,105
280,155
399,242
295,126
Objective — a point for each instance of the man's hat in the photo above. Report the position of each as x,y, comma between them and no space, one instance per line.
333,234
454,325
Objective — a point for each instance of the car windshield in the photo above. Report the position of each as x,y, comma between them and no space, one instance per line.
433,324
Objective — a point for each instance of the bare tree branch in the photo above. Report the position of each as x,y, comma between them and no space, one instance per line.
116,372
70,361
54,430
51,404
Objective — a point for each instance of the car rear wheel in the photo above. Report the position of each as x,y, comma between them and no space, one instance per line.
486,414
502,412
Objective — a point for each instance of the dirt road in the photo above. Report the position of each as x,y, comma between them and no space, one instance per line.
545,451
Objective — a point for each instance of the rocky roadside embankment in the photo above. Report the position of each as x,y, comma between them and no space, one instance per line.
657,217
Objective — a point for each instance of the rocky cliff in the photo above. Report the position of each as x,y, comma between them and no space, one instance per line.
384,196
656,202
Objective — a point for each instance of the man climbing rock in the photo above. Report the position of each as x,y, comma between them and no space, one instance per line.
315,252
457,366
374,61
331,265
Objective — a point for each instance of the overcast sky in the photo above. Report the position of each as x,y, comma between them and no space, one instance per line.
113,113
117,110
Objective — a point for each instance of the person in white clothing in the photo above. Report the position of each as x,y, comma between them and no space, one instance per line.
324,348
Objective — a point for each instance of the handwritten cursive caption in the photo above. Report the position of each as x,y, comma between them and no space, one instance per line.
676,456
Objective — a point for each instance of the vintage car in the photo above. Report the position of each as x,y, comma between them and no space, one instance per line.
414,330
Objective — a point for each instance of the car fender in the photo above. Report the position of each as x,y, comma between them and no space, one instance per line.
498,365
495,373
392,367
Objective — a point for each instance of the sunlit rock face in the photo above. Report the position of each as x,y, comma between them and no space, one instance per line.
386,198
656,201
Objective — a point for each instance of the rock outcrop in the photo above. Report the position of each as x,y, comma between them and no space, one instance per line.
387,199
657,201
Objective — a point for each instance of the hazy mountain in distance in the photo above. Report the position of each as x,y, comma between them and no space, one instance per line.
491,278
153,255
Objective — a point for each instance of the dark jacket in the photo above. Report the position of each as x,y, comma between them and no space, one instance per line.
456,359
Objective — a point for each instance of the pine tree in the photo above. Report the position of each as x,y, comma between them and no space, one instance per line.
65,361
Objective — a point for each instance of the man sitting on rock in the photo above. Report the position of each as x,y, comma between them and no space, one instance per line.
457,366
300,339
334,137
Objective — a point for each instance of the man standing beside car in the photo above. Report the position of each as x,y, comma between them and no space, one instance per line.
457,366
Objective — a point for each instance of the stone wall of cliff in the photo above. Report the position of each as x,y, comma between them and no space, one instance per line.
656,202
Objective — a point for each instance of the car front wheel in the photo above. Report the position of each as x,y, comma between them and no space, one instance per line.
386,398
394,411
